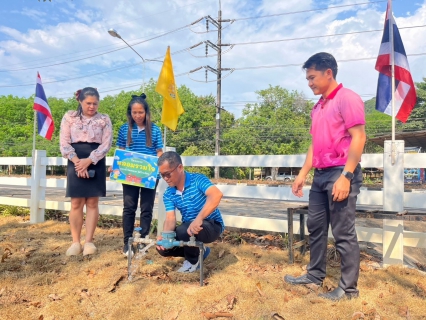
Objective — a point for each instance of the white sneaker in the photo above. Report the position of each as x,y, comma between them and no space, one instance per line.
185,267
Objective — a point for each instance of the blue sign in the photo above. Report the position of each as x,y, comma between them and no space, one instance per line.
134,168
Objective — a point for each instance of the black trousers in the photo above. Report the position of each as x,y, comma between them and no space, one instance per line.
322,212
211,231
131,195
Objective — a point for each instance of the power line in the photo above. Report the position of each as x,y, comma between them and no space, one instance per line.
320,36
310,10
89,75
103,29
299,64
187,26
100,54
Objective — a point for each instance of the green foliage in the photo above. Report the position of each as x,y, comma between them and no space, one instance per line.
13,211
379,124
278,124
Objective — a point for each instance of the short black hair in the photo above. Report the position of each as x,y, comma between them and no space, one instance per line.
172,157
322,61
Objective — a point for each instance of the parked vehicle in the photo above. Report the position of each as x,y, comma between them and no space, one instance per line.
282,177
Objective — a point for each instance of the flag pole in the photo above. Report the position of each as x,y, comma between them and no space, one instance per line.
34,133
392,61
165,134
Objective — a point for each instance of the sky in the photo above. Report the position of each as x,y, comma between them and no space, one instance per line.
67,42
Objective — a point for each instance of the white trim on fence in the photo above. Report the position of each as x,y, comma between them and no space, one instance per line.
392,236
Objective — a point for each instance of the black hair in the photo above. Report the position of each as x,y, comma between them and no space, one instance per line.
172,157
82,94
148,124
322,61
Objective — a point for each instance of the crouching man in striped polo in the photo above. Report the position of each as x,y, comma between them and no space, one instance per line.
197,200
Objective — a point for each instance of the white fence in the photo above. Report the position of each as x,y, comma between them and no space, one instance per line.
392,236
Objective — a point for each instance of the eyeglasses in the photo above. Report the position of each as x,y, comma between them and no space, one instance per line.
167,175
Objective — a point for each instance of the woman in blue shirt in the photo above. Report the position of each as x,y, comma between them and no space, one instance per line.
140,135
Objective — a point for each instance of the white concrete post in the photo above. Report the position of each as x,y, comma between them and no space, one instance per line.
38,192
393,200
161,216
393,242
393,178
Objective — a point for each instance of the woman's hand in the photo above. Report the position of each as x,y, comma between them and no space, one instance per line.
109,169
82,174
82,164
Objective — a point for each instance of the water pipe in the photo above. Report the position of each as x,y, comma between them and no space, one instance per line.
168,241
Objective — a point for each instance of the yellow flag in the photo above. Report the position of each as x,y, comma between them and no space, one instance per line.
166,86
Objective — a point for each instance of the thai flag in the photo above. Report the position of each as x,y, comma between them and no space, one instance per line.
44,116
405,91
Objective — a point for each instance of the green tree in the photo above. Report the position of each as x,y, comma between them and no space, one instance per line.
278,124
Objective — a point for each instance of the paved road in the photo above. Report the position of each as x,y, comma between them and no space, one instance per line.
273,209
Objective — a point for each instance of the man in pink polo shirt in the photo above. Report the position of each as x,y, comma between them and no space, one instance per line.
338,138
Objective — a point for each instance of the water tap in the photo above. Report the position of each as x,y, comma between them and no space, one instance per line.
169,240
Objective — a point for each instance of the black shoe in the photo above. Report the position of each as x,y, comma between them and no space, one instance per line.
126,250
301,280
339,294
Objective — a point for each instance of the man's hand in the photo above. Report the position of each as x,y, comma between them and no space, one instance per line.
195,226
160,247
297,186
341,189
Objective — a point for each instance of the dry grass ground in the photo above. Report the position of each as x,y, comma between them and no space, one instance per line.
37,281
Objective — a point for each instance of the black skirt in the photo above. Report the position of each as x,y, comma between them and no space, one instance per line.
86,187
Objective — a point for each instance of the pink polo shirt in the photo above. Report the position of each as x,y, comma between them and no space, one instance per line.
331,119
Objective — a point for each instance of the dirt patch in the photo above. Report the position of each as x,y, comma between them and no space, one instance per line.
243,280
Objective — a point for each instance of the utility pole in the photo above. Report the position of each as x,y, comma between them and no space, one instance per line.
218,47
219,89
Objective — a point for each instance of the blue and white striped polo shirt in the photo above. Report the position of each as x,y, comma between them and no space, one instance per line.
139,139
192,199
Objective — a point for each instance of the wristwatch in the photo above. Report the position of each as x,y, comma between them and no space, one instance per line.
348,175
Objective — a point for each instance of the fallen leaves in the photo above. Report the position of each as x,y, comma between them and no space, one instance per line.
36,304
333,256
421,288
6,254
404,312
316,300
369,266
276,316
54,297
210,315
115,283
259,289
267,237
231,301
90,273
85,294
221,253
171,315
313,287
358,315
286,297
